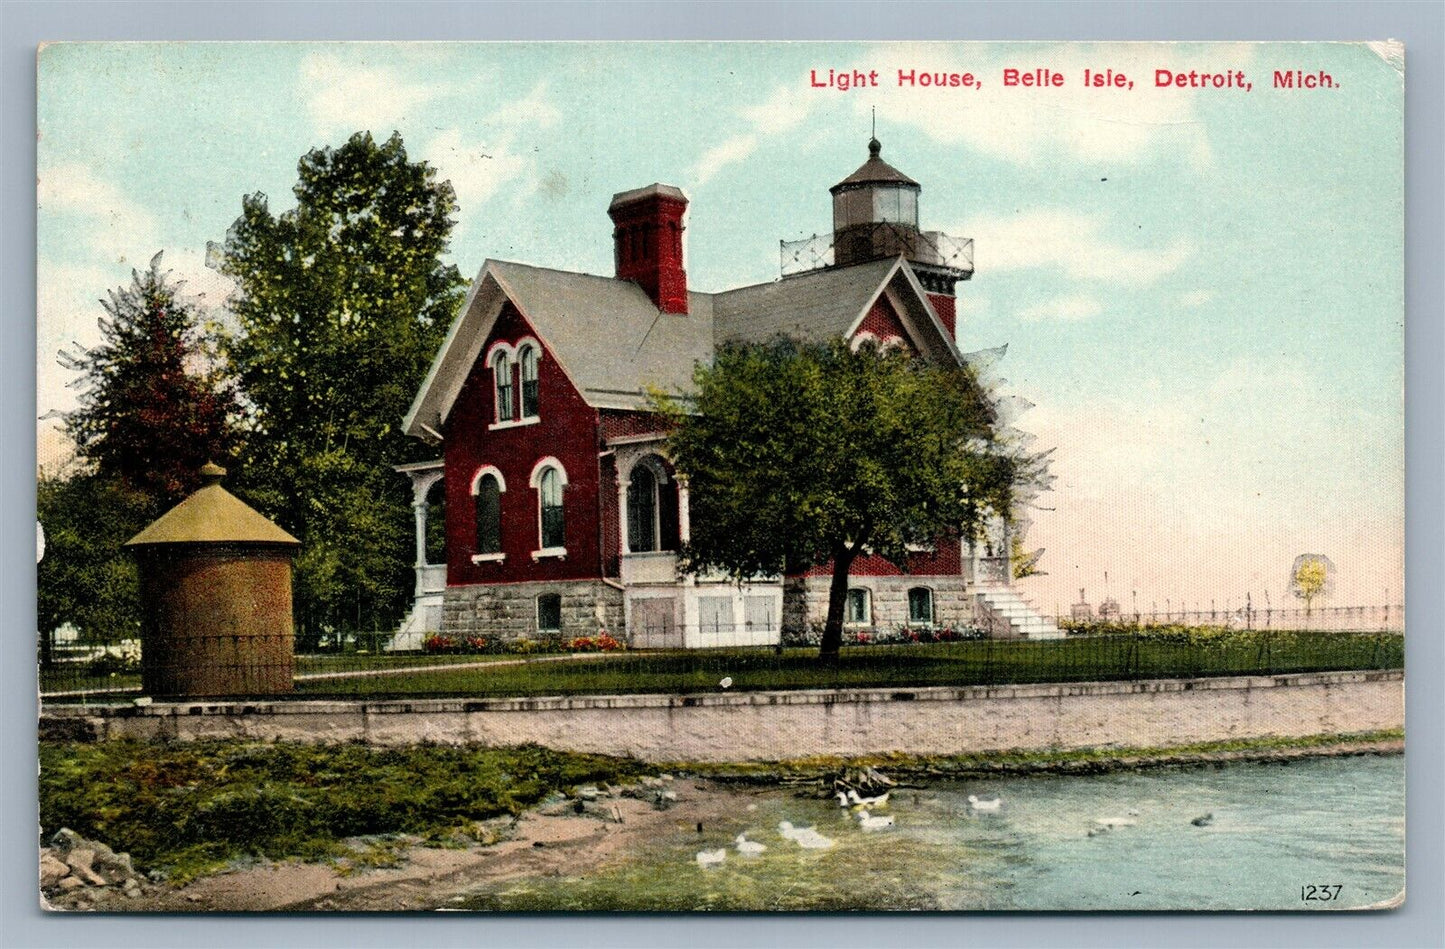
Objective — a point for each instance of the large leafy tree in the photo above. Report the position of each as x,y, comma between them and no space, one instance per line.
85,579
153,405
341,302
800,456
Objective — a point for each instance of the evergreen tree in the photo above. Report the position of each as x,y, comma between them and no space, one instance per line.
153,406
342,302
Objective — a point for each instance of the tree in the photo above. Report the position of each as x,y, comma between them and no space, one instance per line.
1311,577
798,456
341,303
85,578
153,408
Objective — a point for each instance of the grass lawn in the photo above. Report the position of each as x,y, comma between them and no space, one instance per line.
188,808
1077,659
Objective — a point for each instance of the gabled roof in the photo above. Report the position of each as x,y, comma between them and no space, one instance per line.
606,334
614,344
812,307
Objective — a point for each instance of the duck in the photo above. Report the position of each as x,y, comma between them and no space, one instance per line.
880,800
842,799
1203,820
708,858
870,822
789,832
748,848
985,804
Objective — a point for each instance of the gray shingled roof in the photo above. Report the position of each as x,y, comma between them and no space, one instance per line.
609,336
811,307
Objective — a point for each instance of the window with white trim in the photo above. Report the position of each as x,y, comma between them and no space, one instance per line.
502,373
528,359
920,606
549,499
859,611
488,505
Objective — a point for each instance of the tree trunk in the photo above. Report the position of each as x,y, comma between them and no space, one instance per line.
837,603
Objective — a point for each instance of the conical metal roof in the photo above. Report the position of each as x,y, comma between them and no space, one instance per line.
212,515
874,171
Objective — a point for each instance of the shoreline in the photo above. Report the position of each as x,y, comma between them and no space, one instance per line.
553,840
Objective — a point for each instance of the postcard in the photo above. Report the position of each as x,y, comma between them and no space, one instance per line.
720,476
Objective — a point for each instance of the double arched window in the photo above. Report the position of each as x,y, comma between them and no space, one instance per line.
487,488
549,478
516,381
502,374
527,358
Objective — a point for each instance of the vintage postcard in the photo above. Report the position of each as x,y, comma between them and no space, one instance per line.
720,476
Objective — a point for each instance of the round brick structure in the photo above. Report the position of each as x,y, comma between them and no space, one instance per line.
215,584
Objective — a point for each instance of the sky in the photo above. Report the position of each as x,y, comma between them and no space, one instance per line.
1201,289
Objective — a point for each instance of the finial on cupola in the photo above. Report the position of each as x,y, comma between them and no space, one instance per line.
874,147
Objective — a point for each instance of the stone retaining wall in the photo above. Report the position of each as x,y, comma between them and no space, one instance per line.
509,610
769,726
805,600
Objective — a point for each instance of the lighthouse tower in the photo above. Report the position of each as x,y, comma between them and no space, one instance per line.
875,215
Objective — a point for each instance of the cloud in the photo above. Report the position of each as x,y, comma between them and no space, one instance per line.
533,109
781,112
718,157
1069,241
114,226
1033,125
1070,308
1195,298
343,94
475,170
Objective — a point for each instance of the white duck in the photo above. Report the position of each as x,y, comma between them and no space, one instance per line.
880,800
870,822
749,848
709,858
842,799
789,832
985,804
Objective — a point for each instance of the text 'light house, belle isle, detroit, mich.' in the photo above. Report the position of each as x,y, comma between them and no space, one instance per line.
563,513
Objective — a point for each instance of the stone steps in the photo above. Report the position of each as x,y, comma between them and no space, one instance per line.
1023,619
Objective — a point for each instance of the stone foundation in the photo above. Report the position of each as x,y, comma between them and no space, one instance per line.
805,601
509,610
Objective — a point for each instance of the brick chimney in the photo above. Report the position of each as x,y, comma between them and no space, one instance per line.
647,239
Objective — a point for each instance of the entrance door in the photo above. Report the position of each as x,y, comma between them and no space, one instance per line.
654,623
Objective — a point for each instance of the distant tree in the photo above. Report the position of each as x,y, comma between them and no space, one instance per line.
1310,578
153,405
799,456
85,578
341,303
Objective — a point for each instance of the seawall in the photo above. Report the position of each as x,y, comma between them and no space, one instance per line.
771,726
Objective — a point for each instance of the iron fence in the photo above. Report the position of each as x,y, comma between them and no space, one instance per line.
371,672
1356,619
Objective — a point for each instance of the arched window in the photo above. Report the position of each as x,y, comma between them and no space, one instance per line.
920,606
488,490
549,494
528,359
502,372
859,610
642,510
549,613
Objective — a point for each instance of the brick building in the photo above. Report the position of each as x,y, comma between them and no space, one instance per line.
563,514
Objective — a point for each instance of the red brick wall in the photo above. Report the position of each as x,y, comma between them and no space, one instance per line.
568,431
946,559
882,321
944,305
621,424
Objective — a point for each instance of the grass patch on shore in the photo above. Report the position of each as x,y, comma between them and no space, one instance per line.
190,809
988,662
1086,760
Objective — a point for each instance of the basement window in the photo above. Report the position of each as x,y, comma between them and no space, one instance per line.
549,613
859,611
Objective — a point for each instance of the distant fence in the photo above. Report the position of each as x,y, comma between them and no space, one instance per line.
1343,619
1135,655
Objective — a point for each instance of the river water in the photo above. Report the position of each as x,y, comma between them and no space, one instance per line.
1276,827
